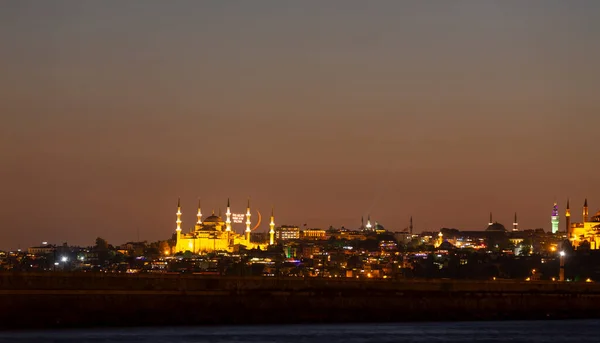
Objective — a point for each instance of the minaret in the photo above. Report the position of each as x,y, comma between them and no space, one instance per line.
515,223
178,218
411,226
585,211
568,220
228,220
369,226
554,218
199,215
248,214
362,222
272,230
491,222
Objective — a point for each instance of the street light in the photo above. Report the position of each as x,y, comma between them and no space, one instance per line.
561,274
64,259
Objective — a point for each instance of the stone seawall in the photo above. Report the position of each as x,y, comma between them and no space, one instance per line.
75,300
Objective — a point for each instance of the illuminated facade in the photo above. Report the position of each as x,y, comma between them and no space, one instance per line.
554,218
439,240
316,234
285,233
586,231
212,234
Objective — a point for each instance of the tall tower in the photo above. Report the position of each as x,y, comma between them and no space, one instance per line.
369,226
362,222
568,220
515,223
491,222
199,215
440,239
585,211
554,218
228,220
272,230
410,228
248,214
178,221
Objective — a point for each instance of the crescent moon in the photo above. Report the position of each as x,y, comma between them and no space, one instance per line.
258,223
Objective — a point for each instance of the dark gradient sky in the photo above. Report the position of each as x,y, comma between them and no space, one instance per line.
329,110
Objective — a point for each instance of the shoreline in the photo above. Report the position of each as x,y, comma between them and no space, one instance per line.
47,301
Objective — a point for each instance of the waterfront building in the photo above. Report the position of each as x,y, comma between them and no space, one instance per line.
213,233
586,231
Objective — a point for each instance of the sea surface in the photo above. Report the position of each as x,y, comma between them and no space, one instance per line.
509,331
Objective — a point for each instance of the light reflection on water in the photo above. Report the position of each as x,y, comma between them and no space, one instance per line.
510,331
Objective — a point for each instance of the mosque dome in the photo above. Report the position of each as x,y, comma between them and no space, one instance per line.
212,219
496,227
596,217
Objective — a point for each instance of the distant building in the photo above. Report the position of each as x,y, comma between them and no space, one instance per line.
348,234
132,247
403,237
316,234
43,249
287,232
309,251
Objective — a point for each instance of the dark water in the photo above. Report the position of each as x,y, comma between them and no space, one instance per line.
512,331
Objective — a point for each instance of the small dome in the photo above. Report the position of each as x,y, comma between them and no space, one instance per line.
496,227
212,219
596,217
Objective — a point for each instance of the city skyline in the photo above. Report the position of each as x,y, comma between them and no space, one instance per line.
328,112
189,220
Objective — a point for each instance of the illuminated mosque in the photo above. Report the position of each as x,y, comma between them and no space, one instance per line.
588,230
215,234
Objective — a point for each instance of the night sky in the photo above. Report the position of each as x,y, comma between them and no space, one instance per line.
328,110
